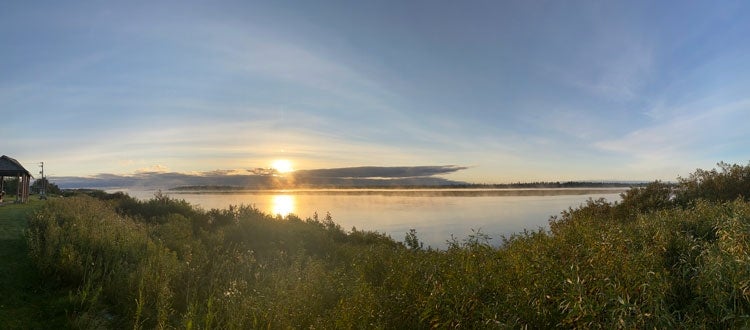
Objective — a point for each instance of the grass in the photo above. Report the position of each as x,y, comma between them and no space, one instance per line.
27,299
599,266
664,257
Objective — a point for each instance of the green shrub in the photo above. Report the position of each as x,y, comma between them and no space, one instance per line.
641,263
726,184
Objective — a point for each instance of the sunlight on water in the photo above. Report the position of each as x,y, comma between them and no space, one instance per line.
435,214
282,205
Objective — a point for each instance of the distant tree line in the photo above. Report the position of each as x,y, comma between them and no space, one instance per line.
554,184
517,185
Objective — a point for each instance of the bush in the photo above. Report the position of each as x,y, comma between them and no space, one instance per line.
644,262
655,196
726,184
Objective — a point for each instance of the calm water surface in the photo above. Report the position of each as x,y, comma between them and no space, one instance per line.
435,214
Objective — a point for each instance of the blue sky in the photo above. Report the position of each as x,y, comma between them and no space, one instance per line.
513,90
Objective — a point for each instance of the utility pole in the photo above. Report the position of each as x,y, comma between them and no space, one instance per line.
43,188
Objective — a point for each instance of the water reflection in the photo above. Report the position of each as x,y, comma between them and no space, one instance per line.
282,205
436,215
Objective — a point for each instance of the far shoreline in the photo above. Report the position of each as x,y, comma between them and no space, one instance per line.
420,192
463,187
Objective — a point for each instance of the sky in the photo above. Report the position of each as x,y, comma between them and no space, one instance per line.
500,91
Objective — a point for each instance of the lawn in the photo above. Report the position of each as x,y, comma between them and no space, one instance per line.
27,301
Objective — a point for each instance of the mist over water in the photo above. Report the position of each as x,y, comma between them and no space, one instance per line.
435,214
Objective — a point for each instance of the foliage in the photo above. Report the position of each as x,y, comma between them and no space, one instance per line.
10,185
650,261
726,184
50,187
655,196
27,299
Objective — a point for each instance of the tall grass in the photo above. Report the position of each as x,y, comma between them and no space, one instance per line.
651,260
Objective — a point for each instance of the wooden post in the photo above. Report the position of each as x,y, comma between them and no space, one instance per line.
22,191
26,183
28,187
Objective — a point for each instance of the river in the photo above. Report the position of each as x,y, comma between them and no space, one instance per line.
436,215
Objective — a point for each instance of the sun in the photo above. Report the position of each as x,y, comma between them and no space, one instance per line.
282,166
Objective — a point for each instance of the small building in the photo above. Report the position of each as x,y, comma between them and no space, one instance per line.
10,167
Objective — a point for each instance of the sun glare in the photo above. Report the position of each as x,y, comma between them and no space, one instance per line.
282,166
282,205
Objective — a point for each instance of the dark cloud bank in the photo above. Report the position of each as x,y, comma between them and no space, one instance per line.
365,176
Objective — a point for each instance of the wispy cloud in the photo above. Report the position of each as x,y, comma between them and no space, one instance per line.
520,89
696,135
157,168
250,51
622,74
606,58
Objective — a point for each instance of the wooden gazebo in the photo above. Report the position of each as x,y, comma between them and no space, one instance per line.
12,168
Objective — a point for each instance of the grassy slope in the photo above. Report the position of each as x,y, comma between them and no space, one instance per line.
26,300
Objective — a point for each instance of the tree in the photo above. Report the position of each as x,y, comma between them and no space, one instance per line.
726,184
50,188
10,186
411,240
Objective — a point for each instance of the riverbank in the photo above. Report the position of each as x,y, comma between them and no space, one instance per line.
27,300
436,214
659,258
653,260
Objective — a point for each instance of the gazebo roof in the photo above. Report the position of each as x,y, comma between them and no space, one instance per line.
11,167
